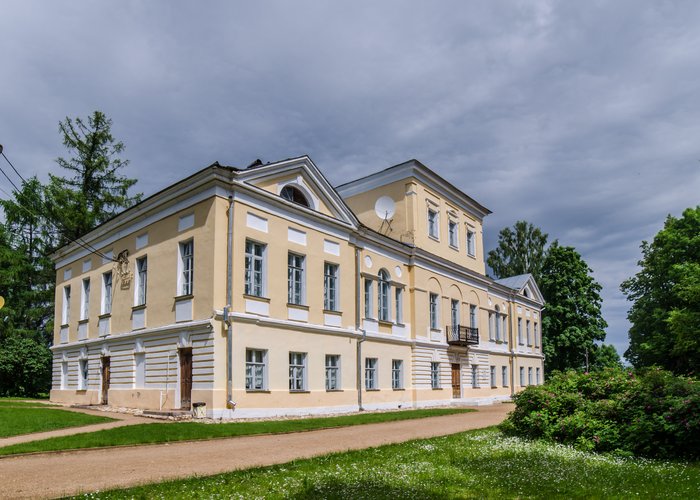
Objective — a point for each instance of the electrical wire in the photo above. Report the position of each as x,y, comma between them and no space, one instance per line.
13,167
10,180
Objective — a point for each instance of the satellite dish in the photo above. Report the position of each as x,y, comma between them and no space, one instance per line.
2,301
384,207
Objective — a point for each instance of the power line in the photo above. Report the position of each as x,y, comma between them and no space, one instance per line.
10,180
13,167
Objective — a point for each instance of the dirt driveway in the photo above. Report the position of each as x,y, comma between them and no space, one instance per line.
68,473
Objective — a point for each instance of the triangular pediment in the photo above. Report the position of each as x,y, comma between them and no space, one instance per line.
525,285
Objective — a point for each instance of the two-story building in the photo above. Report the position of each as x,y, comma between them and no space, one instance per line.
265,291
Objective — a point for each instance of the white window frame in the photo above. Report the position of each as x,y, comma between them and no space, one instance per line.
296,276
185,285
107,293
65,307
454,313
255,280
497,319
399,305
83,374
534,334
522,376
537,376
493,376
141,281
371,374
471,242
504,375
453,234
475,376
397,374
333,380
433,223
383,296
529,375
139,370
473,317
297,371
434,309
435,374
491,326
331,286
255,370
369,301
527,333
85,299
520,331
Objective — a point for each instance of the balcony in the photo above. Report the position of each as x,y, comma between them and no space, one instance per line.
463,336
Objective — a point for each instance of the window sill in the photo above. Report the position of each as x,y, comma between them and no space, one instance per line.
84,321
299,392
437,388
398,389
335,390
385,322
434,238
257,391
331,311
372,390
298,306
64,325
435,330
189,296
454,248
140,307
105,316
473,256
256,297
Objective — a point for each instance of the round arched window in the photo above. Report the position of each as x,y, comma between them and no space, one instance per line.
294,195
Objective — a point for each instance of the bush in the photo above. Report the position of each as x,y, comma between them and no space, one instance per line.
648,413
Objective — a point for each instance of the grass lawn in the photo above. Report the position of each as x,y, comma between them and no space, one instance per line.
16,419
184,431
480,463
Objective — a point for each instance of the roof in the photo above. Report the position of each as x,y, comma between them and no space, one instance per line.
515,282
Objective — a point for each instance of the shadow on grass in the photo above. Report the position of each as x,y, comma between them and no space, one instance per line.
372,489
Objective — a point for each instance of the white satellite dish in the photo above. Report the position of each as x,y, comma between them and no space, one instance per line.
384,207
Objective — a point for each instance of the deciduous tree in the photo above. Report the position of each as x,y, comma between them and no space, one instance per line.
520,250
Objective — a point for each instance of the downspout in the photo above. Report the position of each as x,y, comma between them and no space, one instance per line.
358,301
511,338
227,309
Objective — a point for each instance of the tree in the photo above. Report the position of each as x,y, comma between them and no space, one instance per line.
665,313
572,323
520,250
604,356
95,191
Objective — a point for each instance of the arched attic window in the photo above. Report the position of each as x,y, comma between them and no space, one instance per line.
383,295
295,196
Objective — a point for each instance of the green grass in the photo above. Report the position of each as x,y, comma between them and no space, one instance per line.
185,431
16,420
482,464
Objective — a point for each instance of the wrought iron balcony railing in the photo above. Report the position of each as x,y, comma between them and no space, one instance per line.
459,335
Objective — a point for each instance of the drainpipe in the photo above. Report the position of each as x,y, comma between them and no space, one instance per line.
229,299
511,338
358,301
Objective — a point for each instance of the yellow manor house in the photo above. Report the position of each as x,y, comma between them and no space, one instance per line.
265,291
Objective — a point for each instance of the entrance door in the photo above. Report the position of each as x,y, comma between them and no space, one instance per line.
456,385
105,380
186,378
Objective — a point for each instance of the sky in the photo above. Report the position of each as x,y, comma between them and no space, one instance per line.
582,118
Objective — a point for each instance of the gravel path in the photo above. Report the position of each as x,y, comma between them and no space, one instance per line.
69,473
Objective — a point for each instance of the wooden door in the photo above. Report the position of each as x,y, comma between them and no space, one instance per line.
456,385
105,380
186,378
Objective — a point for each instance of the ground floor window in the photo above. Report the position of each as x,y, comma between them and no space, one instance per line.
255,369
504,375
537,372
332,372
493,376
297,371
396,374
435,375
371,374
522,376
529,376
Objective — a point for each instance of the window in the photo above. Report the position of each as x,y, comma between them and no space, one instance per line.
254,267
473,320
435,375
64,374
332,372
371,374
454,314
330,287
471,242
504,376
65,312
399,306
537,375
529,376
504,318
491,326
520,331
82,374
141,281
497,318
534,333
294,195
527,332
295,278
106,293
434,320
85,300
368,299
493,376
140,370
187,267
475,376
433,230
522,376
396,374
452,234
383,294
297,371
255,369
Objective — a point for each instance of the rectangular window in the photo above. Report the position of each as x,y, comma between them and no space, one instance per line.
371,381
504,376
473,320
493,376
369,313
396,374
332,372
106,293
433,224
434,319
140,370
141,281
452,234
522,376
535,334
520,331
65,311
383,291
255,369
527,332
491,337
82,374
295,278
399,305
471,242
435,375
85,300
187,267
254,267
537,375
297,371
497,319
330,287
454,314
529,376
475,376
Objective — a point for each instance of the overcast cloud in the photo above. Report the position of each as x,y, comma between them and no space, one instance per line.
581,117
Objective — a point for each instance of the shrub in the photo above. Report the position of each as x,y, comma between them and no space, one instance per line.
648,413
